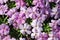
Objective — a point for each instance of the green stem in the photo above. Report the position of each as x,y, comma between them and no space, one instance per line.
5,19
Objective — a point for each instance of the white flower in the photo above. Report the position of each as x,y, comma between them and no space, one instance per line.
49,38
10,21
23,9
25,28
3,1
54,11
36,24
58,21
57,1
37,28
33,23
21,38
52,38
13,39
35,35
36,32
12,0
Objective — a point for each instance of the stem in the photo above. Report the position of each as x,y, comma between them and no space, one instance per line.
5,19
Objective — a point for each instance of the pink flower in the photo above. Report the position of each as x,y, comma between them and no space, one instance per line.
3,1
4,29
20,2
6,38
3,9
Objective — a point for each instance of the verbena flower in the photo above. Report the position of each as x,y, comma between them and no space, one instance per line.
11,12
55,28
30,19
43,36
8,38
20,2
4,29
37,28
21,38
25,28
3,1
3,9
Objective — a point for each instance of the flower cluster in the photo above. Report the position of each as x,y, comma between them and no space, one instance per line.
29,19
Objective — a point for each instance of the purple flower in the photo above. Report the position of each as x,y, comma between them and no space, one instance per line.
11,12
17,19
43,36
3,1
4,29
20,3
3,9
8,38
55,28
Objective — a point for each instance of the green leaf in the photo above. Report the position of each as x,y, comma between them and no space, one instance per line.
11,4
46,28
28,20
52,4
3,19
14,33
29,2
